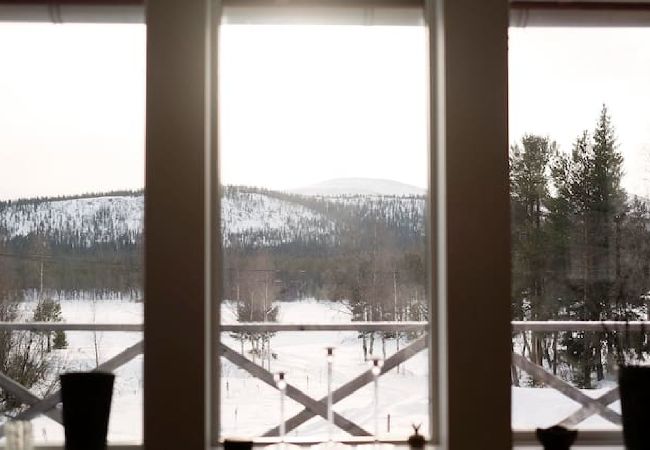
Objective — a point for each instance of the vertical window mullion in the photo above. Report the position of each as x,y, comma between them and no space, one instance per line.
477,225
175,340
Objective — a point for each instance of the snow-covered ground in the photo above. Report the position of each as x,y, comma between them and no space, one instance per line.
250,408
126,416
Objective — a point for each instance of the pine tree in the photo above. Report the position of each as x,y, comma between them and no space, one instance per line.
529,180
593,204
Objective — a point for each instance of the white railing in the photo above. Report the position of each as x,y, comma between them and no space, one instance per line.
317,407
589,406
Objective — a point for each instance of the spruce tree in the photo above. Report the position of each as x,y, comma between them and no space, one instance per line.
588,185
529,170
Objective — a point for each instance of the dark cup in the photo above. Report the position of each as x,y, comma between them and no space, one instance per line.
86,398
634,387
556,437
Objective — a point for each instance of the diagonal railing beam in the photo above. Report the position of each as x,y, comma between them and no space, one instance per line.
50,402
566,389
355,384
316,408
587,411
25,396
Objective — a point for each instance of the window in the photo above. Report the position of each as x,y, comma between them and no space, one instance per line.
468,165
474,112
579,152
323,160
72,217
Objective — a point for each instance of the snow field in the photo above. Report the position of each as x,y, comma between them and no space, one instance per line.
249,407
125,424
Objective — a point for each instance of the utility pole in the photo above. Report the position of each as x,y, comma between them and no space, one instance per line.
395,311
40,292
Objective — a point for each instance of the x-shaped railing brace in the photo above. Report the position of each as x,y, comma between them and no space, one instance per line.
590,406
47,405
319,407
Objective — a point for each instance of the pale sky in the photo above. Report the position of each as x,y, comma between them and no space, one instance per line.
302,104
559,79
298,104
71,108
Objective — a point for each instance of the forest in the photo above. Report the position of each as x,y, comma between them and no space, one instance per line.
580,251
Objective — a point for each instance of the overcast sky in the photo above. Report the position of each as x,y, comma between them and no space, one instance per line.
71,108
299,104
559,79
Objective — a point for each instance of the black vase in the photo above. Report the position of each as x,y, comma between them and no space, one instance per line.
634,387
86,398
556,437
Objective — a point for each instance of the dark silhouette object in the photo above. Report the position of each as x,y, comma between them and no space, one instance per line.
634,387
230,444
556,437
416,440
86,400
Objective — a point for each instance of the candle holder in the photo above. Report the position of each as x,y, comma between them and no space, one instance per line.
282,387
281,384
329,444
376,369
19,435
377,364
330,413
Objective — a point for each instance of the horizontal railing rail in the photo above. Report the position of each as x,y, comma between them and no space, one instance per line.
63,326
517,326
243,327
569,325
350,326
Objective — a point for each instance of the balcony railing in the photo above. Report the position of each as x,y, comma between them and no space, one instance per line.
312,407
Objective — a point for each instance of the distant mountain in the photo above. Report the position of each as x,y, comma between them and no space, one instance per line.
250,217
94,241
84,219
258,218
359,186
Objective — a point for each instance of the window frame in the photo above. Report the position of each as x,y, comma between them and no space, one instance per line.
468,141
470,37
576,14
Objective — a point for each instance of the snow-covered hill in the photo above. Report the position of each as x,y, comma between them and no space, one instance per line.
250,217
92,219
359,186
260,219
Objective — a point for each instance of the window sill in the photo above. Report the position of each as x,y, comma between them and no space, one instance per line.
61,447
587,439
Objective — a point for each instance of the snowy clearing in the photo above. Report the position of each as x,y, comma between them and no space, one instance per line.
250,408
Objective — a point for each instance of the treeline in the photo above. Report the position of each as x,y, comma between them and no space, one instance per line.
47,199
37,261
72,244
373,268
370,241
580,251
82,243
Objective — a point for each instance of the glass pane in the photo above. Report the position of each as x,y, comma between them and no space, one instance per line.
71,211
580,161
324,160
